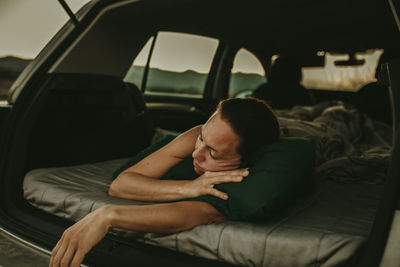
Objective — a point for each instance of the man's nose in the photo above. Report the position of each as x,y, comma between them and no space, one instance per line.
198,153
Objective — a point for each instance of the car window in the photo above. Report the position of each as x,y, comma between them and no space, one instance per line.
342,77
25,28
179,64
136,71
246,75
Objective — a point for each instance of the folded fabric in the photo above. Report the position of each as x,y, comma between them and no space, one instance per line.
279,173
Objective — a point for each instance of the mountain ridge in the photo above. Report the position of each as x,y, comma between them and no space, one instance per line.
159,80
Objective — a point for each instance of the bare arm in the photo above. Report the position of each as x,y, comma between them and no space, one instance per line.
165,217
80,238
142,181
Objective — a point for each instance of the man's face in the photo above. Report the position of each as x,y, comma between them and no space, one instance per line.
216,147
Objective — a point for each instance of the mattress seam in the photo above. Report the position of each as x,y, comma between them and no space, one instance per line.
319,249
220,235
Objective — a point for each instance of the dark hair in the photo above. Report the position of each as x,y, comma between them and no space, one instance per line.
252,120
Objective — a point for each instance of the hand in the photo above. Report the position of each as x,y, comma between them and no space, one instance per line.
78,239
204,184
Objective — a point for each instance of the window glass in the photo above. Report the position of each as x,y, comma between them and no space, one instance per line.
246,75
75,5
179,64
342,77
136,71
25,28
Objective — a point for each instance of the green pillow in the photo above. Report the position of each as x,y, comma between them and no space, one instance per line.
279,173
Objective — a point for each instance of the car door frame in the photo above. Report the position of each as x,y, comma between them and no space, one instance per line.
171,107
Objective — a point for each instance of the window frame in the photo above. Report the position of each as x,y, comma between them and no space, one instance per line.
181,97
262,64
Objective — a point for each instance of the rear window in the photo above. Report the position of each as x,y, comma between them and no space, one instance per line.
342,77
25,28
179,64
247,74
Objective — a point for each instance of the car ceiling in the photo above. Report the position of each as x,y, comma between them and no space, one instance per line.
280,24
265,27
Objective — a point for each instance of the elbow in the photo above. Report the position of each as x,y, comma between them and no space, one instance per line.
116,188
203,214
217,217
121,187
113,190
206,219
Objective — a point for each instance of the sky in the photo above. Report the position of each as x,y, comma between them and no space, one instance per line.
183,50
27,25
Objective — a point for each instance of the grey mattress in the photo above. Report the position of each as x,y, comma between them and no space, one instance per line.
327,228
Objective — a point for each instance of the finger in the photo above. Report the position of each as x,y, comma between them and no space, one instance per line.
78,258
217,193
226,179
243,172
67,257
59,253
56,258
55,250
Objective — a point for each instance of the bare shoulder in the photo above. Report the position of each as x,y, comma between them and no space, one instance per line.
183,145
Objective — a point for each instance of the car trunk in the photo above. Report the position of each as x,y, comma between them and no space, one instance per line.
46,128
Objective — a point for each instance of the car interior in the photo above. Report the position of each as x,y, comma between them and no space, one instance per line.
94,105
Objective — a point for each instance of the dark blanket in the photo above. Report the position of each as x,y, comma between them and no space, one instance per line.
350,146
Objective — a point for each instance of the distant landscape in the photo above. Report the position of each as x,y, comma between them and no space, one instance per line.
10,68
188,82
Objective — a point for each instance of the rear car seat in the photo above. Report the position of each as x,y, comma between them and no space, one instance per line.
283,89
88,118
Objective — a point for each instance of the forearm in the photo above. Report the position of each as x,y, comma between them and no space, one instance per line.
162,218
80,238
134,186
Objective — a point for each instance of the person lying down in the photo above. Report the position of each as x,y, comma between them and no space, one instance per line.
234,167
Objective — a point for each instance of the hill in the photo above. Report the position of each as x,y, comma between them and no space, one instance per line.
187,82
11,67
